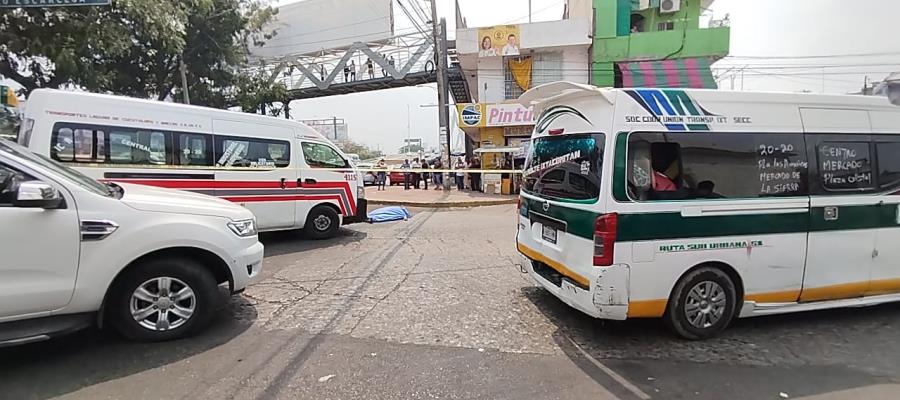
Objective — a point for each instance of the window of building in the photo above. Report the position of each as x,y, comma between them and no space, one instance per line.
694,165
665,26
251,152
318,155
637,23
845,166
194,149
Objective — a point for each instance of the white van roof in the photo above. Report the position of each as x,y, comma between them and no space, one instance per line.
560,92
75,102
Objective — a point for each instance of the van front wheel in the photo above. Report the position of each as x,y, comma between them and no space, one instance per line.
322,223
702,304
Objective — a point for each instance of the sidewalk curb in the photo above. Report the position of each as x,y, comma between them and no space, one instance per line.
461,204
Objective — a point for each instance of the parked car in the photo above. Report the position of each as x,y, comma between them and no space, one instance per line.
147,261
369,177
395,177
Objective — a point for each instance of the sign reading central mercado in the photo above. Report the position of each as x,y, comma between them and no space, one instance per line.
51,3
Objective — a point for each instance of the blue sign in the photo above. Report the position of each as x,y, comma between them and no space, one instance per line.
51,3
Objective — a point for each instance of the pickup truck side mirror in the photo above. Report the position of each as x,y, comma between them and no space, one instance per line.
37,194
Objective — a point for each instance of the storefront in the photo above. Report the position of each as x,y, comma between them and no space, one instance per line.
496,125
501,133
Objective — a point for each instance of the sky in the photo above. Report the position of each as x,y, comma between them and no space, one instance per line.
821,46
766,38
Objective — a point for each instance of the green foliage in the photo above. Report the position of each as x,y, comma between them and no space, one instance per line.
255,90
364,152
134,47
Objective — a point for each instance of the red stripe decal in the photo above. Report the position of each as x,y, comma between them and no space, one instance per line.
205,184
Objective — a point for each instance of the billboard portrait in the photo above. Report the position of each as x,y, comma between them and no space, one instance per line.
500,40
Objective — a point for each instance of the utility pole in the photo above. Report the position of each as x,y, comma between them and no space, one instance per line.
184,85
439,34
334,127
529,11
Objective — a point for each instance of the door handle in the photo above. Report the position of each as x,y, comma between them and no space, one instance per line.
310,181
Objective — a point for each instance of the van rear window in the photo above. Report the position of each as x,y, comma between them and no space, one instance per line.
565,167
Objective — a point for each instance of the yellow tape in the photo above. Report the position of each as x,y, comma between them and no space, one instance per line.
209,168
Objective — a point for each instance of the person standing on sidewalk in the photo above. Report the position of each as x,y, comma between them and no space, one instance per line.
425,175
415,175
382,173
475,177
406,175
460,174
437,177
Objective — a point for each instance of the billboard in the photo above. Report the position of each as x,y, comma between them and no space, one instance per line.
311,26
500,40
488,115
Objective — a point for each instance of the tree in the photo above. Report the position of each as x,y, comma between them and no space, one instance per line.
254,91
134,47
364,152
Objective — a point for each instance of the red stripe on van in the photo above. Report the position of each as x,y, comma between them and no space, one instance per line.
259,199
185,184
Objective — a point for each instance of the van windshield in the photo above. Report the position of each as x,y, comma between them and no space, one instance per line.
565,167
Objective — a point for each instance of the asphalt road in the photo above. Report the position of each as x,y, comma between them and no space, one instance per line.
435,307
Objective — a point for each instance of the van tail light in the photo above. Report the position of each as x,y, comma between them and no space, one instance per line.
605,239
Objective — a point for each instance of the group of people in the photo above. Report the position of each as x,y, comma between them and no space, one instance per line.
369,65
420,180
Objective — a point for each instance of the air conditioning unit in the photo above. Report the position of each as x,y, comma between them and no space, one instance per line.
669,6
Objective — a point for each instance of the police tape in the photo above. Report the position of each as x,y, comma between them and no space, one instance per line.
419,171
270,168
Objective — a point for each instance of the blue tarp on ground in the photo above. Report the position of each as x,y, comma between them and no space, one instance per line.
386,214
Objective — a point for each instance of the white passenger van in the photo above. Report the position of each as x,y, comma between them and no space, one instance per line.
286,173
147,261
702,206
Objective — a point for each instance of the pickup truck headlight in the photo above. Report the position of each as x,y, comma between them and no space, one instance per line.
243,228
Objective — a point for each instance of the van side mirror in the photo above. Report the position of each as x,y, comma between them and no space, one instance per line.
37,194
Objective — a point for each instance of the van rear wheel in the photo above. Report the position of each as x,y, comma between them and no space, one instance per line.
323,222
702,304
163,299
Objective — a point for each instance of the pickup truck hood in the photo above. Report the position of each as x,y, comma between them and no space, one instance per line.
156,199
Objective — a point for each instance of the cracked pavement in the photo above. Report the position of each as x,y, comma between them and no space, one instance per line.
435,307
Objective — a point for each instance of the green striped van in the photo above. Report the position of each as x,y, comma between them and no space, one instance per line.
702,206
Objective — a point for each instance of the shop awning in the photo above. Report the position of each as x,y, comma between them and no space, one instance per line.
498,150
678,73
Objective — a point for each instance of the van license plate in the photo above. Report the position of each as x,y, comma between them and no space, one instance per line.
549,234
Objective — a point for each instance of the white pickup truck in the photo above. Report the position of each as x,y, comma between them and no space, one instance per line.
75,252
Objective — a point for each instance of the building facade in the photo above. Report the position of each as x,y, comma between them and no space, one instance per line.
654,43
499,63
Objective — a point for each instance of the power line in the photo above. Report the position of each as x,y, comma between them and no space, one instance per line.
819,56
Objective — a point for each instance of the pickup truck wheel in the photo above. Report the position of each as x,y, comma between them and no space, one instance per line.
322,223
163,299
